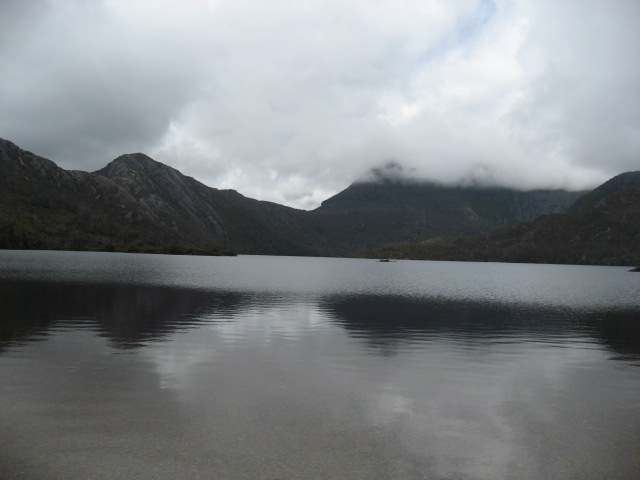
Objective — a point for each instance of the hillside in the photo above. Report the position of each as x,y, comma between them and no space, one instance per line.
371,213
44,206
607,232
138,204
133,204
590,199
202,214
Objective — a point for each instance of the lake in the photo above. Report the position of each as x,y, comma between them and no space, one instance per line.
124,366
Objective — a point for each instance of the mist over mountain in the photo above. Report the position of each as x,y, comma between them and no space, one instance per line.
601,227
138,204
389,205
391,172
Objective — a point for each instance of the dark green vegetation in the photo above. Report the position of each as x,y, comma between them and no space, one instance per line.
136,204
45,207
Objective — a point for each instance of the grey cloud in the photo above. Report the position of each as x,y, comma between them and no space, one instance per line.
584,102
292,101
391,171
83,88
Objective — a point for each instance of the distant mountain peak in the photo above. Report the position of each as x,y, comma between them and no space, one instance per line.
134,157
134,163
134,160
390,172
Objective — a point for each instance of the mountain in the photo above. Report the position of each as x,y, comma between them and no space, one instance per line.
138,204
602,228
201,214
44,206
133,204
371,213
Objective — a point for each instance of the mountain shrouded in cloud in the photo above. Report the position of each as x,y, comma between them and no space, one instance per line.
391,171
288,101
138,204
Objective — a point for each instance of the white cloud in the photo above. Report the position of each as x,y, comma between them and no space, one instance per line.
291,101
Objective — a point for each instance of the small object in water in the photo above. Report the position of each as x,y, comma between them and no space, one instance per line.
384,259
636,269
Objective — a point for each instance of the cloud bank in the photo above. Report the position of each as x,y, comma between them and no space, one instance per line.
291,101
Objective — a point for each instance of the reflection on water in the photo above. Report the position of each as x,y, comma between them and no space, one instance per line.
391,322
129,315
154,368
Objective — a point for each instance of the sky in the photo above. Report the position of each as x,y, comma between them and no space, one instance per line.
291,101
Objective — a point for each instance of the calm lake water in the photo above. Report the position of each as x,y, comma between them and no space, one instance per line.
122,366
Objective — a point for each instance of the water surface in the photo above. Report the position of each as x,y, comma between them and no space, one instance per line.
166,367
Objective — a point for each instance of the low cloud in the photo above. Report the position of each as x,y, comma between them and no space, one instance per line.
391,171
291,101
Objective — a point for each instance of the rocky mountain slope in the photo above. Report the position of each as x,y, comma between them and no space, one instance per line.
132,204
44,206
138,204
201,214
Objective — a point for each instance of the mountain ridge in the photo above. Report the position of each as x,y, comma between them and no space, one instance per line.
135,202
605,231
415,211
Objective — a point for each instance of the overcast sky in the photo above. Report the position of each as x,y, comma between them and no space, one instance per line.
290,101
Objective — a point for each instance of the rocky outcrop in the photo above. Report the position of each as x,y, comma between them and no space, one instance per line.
165,193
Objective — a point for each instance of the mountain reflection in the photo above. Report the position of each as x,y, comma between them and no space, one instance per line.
129,315
387,323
